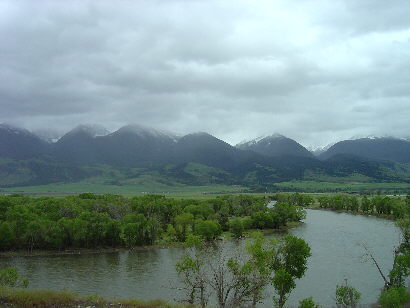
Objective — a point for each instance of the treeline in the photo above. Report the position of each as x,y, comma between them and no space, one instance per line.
91,221
396,207
297,199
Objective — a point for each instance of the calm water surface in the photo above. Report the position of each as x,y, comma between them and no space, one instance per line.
335,239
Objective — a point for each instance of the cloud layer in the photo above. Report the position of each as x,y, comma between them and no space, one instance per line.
314,70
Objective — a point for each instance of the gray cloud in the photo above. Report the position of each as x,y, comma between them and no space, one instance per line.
314,70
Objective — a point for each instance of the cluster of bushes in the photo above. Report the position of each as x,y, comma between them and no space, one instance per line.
303,200
394,206
91,221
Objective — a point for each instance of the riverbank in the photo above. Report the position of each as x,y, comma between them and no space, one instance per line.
383,216
10,297
83,251
87,251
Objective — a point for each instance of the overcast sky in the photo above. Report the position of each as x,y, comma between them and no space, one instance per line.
314,70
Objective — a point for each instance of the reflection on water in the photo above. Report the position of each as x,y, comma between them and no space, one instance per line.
335,240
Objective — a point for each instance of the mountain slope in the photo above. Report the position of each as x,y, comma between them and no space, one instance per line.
391,149
134,152
206,149
136,146
79,145
18,143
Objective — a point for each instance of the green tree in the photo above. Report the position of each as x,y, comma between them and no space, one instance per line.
236,227
7,237
131,234
170,234
208,229
223,217
34,233
290,263
190,270
284,283
234,281
54,236
347,296
182,224
366,205
400,270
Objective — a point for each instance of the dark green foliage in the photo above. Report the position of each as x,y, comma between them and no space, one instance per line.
367,206
208,229
7,237
236,226
394,297
382,205
182,224
278,216
90,220
401,264
400,270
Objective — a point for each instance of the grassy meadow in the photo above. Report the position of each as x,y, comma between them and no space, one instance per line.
203,191
176,191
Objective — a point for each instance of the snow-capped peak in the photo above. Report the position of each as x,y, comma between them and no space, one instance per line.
14,130
320,149
260,138
373,137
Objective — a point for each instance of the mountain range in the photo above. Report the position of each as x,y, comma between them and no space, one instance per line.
90,151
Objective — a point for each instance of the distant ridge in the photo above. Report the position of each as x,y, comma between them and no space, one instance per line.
275,145
380,148
133,151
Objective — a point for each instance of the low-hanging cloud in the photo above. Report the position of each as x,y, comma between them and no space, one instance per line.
314,70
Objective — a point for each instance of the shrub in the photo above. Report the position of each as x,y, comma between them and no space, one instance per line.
394,297
9,277
347,296
308,303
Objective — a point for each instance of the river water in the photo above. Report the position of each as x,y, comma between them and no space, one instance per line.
336,241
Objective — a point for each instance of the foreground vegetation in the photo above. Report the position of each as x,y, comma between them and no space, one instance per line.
19,297
240,281
232,280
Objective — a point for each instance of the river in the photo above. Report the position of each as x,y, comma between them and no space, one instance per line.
335,239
